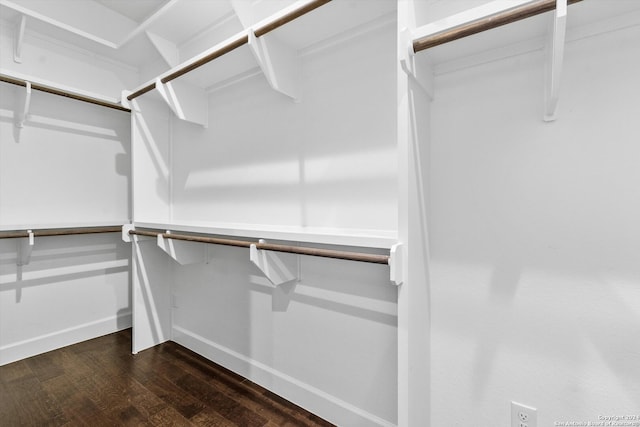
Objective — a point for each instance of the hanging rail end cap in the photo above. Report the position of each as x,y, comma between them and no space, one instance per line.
126,232
124,99
396,264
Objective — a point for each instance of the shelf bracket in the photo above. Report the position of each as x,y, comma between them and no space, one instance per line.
278,62
19,40
25,248
167,50
395,264
188,102
555,57
278,268
417,67
184,253
23,108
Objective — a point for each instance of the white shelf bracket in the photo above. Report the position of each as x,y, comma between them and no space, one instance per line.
23,109
278,62
555,57
188,102
395,264
25,248
167,50
417,67
279,268
184,253
17,48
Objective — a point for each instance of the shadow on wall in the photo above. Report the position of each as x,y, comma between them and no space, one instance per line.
59,261
535,238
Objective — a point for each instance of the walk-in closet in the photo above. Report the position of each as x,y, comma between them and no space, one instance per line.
381,212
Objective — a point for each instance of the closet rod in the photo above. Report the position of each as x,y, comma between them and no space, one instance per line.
240,40
61,231
487,23
66,94
327,253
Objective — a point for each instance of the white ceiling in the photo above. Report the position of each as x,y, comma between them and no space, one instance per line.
136,10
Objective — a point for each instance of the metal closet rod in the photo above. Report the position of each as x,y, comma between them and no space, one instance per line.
66,94
232,45
300,250
61,231
516,14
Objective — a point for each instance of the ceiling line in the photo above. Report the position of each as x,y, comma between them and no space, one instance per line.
140,28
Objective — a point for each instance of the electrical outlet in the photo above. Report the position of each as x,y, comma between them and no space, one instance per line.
523,415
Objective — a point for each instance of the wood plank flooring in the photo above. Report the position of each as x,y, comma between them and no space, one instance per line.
100,383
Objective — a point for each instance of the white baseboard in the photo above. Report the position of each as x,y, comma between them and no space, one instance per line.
305,395
58,339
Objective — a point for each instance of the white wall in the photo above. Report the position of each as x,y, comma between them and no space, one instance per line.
73,289
535,238
68,166
329,341
46,59
323,162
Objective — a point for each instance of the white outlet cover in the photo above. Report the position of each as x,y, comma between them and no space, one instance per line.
523,415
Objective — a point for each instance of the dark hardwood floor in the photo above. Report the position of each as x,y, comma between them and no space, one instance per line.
100,383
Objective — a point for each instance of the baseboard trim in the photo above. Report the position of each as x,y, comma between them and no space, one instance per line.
305,395
21,350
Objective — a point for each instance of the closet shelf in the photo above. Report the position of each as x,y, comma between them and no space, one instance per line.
476,21
375,239
329,22
35,85
262,245
40,231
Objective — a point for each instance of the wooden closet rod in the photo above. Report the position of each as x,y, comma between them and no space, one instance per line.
66,94
61,231
327,253
232,45
487,23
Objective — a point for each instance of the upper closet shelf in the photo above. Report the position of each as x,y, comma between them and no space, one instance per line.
42,229
40,85
382,239
269,44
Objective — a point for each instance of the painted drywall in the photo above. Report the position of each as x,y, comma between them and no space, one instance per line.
74,288
54,61
535,238
323,162
69,165
328,341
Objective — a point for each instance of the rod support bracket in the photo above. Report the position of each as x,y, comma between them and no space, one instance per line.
279,268
23,109
417,67
25,248
19,40
554,60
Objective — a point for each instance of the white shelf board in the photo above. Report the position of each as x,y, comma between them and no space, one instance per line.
43,226
583,19
334,19
382,239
